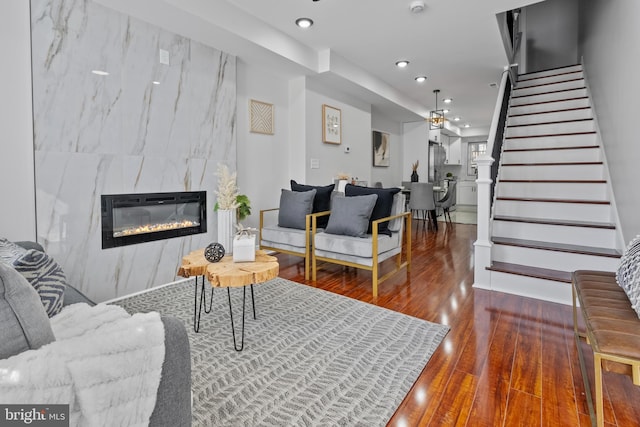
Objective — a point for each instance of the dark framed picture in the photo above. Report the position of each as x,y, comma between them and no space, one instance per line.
381,148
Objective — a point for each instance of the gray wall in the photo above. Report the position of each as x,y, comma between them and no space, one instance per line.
609,44
551,38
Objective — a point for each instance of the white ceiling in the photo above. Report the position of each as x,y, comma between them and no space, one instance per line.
354,45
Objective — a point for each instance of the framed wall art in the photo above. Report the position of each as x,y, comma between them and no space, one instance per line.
381,149
331,124
261,117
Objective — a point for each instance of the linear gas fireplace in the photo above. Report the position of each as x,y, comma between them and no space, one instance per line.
128,219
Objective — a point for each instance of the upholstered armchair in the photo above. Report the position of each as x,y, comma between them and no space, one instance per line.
356,238
290,234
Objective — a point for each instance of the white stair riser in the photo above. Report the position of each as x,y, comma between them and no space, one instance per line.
558,85
552,79
575,155
584,172
561,211
583,113
531,287
597,237
553,190
551,128
551,141
555,96
549,106
554,260
546,73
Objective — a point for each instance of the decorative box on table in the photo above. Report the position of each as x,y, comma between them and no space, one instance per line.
244,248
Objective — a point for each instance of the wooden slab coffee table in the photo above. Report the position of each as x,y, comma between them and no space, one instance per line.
227,274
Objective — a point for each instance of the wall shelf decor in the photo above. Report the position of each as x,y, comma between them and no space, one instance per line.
261,117
381,148
331,124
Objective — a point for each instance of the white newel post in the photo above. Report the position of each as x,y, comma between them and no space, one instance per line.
482,252
226,228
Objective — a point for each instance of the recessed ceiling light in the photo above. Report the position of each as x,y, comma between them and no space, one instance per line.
100,72
304,22
445,111
447,100
403,63
155,82
456,119
467,125
420,79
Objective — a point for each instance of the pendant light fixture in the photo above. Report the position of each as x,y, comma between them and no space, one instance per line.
436,117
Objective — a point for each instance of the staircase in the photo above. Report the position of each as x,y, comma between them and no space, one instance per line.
552,212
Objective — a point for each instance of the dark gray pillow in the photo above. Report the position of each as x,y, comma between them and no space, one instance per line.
46,277
25,325
350,215
294,207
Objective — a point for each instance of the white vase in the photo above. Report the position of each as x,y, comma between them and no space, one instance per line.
226,228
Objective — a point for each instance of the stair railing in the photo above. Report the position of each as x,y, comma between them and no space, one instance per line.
487,176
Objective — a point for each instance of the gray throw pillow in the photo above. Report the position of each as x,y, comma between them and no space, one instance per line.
628,273
46,277
294,207
25,325
350,215
9,251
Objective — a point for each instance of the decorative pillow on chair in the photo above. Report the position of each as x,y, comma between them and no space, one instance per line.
350,215
382,208
46,276
322,201
25,325
9,251
294,207
628,273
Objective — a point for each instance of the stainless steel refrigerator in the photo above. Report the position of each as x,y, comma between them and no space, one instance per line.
437,157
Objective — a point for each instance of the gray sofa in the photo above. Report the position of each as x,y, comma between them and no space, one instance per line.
173,400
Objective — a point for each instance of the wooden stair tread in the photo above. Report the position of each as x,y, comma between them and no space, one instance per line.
546,84
549,111
557,181
553,164
547,93
543,200
551,101
558,247
567,147
535,272
551,135
551,123
586,224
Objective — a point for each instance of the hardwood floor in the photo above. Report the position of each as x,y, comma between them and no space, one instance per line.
507,360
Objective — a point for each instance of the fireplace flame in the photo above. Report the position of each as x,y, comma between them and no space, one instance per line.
153,228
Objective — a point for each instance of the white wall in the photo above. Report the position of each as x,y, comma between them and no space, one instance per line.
551,34
356,134
262,161
18,213
415,145
609,39
390,176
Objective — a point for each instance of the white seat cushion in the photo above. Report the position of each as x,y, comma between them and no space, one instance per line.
291,237
355,246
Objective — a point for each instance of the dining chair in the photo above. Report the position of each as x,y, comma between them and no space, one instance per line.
448,201
422,200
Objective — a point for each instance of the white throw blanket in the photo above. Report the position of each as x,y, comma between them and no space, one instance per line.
104,363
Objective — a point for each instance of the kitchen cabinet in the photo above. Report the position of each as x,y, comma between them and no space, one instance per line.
467,193
453,149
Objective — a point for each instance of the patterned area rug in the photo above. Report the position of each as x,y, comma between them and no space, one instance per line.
311,358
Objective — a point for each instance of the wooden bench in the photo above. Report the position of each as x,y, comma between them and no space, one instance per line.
612,329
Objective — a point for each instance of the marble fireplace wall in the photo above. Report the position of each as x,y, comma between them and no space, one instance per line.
122,133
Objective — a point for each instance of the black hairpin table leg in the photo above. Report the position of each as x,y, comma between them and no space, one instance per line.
233,330
197,307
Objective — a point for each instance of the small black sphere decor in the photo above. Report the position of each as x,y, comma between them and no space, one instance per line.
214,252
